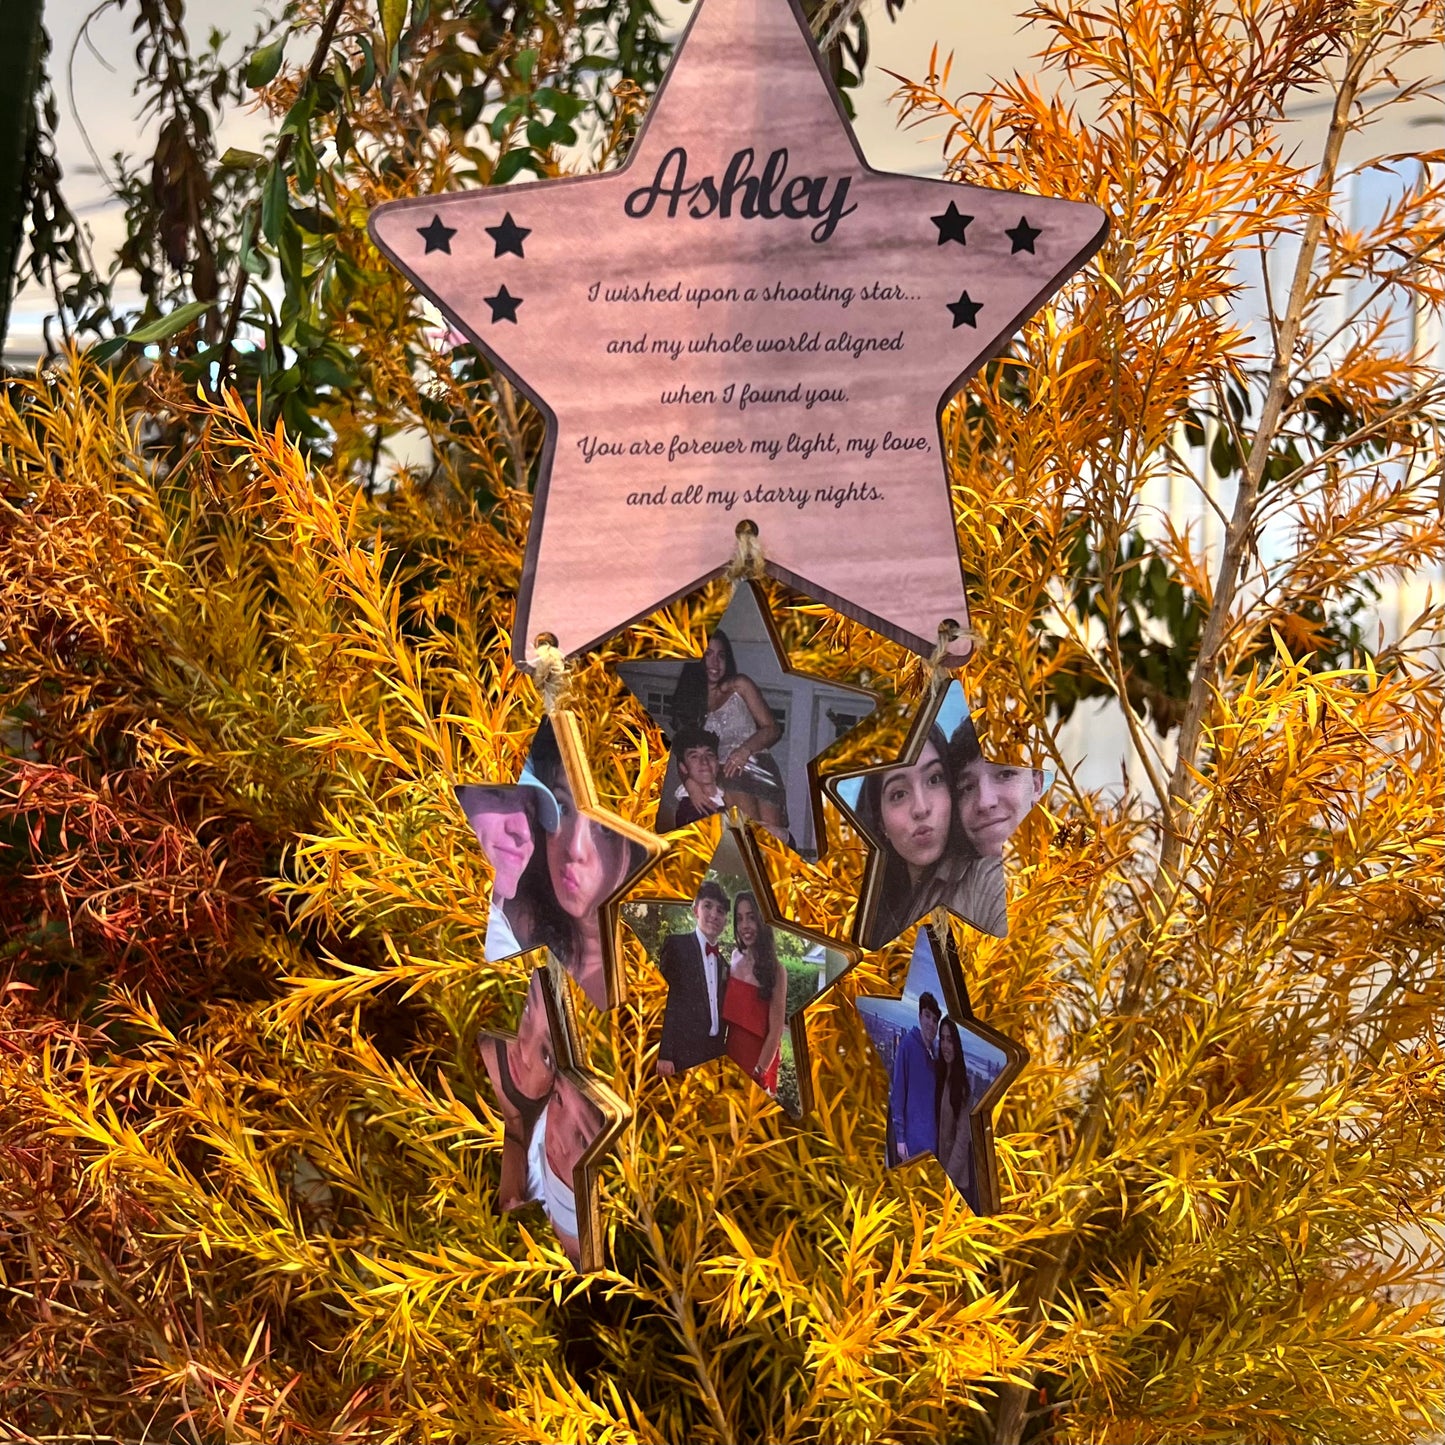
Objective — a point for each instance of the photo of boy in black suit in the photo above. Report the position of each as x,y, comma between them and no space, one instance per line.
696,970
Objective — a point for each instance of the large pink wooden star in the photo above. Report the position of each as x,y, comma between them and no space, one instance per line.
743,322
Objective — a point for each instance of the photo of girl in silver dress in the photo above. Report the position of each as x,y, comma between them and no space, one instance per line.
743,729
713,695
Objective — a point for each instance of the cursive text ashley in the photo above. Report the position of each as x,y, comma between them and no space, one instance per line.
801,198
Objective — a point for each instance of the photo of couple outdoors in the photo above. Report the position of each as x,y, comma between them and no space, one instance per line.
939,824
554,869
939,1069
549,1124
742,728
733,979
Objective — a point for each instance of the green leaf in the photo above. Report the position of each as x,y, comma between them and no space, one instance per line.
239,160
393,17
525,64
265,63
323,371
1222,455
303,158
299,116
273,204
314,220
289,251
368,69
166,326
507,115
510,164
106,349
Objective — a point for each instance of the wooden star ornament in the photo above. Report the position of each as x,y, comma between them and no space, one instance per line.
745,729
558,1119
946,1070
937,817
739,975
743,322
560,862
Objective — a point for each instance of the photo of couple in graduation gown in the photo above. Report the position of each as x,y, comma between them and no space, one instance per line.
734,980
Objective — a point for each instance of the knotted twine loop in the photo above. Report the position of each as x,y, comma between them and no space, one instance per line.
748,563
938,675
549,673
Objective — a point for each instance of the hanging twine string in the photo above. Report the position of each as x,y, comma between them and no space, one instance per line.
549,674
748,563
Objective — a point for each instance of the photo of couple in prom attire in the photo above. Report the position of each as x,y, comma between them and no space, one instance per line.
940,824
734,979
724,997
554,868
549,1124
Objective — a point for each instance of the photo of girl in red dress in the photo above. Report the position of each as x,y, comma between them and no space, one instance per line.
756,1002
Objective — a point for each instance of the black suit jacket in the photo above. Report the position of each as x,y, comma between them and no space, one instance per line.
686,1020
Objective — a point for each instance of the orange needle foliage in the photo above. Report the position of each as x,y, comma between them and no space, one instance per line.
248,1168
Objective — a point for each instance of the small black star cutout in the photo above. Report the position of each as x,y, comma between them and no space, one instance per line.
951,225
438,237
965,311
1023,236
504,305
508,236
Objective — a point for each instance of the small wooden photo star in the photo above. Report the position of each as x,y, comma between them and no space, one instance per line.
946,1071
745,729
560,862
558,1120
738,975
937,818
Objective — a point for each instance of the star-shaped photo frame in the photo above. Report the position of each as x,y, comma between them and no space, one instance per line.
936,818
558,1119
560,862
745,321
946,1071
739,976
745,730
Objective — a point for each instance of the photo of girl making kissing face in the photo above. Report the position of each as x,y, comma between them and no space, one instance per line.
938,818
558,864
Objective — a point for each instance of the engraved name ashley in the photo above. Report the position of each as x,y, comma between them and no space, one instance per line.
755,197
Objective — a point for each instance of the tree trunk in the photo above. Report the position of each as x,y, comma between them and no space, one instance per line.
1013,1410
20,49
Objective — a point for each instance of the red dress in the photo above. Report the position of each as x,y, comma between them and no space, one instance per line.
746,1013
